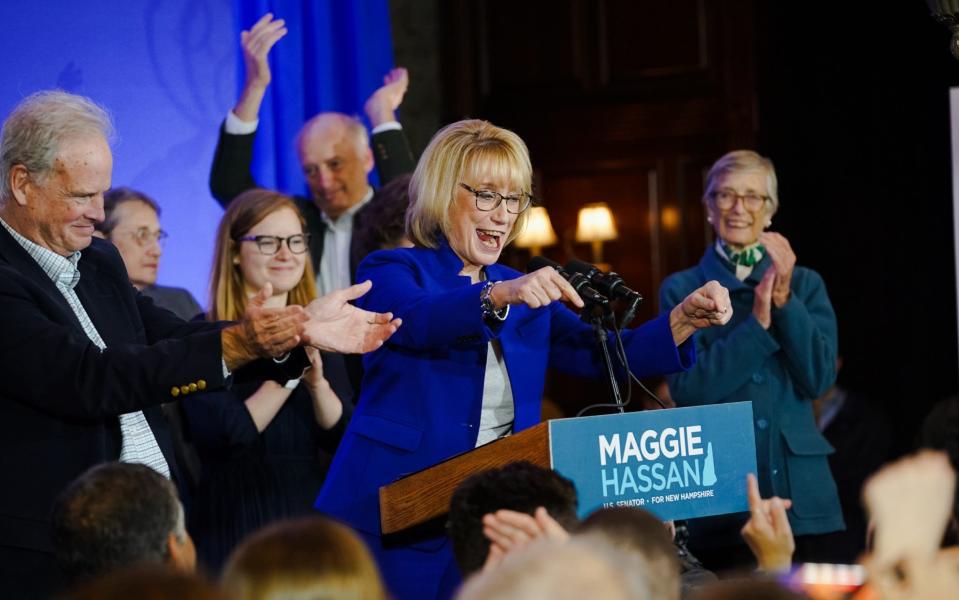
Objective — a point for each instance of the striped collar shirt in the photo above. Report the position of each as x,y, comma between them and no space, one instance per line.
139,444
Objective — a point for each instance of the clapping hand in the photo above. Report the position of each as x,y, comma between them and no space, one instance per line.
336,325
382,104
784,260
263,332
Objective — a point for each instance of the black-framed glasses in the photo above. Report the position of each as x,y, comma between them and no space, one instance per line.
270,244
143,236
487,200
726,199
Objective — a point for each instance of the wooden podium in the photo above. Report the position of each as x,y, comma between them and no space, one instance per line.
425,495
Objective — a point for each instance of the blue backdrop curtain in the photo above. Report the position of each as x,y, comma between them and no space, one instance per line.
334,56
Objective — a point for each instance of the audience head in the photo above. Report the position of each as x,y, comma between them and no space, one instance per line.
311,557
487,159
132,223
146,582
249,254
741,196
519,486
117,515
637,532
335,155
55,165
384,222
548,570
745,589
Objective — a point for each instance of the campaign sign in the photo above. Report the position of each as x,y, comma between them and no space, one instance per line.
680,463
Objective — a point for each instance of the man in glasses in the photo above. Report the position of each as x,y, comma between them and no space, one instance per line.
85,360
132,223
334,151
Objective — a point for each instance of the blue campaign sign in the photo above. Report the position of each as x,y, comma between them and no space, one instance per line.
680,463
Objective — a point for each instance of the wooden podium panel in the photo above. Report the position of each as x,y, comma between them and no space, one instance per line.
426,494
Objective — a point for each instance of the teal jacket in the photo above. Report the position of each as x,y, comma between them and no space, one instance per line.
780,370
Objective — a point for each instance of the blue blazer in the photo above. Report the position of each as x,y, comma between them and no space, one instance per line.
780,370
422,391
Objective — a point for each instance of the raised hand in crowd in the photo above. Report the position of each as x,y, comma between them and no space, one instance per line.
706,306
263,332
910,503
767,532
256,45
535,289
509,531
382,104
784,260
336,325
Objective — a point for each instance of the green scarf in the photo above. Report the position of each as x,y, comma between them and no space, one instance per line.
747,257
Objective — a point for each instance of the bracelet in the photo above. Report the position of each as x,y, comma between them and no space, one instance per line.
490,312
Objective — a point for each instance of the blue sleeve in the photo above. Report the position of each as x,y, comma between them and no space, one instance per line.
806,330
725,363
432,318
650,348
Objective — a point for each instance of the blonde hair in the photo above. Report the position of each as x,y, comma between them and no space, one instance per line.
738,161
227,292
470,147
311,557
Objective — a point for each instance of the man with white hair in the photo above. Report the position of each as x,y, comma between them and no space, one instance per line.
334,152
86,360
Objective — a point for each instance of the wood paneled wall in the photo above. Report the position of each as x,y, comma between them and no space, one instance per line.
626,102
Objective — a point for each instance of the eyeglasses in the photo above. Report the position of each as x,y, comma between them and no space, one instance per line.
270,244
144,235
726,199
487,200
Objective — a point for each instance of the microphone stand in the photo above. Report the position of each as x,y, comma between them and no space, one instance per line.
595,314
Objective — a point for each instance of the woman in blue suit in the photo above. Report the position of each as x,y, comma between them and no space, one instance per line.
469,364
778,352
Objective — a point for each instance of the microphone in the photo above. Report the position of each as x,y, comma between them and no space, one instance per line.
579,283
610,285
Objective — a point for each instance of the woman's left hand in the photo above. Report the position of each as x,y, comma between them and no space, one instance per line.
707,306
784,259
327,406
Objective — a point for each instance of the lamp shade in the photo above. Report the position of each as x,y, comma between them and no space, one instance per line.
539,231
595,223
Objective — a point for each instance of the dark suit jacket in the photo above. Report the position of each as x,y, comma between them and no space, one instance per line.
60,396
230,176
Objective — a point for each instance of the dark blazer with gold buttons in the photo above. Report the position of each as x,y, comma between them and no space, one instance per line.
60,396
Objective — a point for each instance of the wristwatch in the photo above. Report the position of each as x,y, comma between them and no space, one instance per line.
490,312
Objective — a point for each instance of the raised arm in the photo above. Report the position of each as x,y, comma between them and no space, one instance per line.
230,174
391,149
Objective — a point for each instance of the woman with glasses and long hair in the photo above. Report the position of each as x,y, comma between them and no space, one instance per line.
778,352
469,364
265,444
